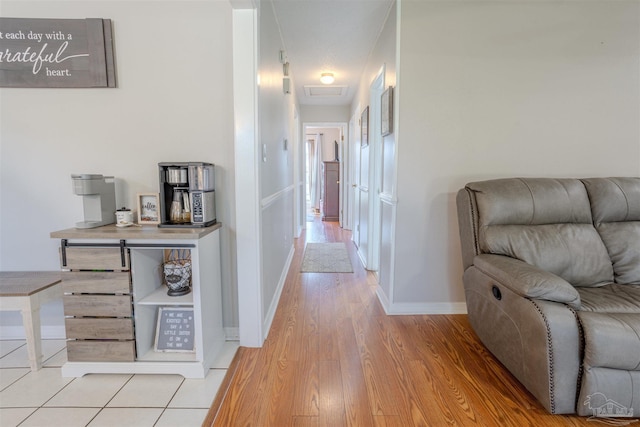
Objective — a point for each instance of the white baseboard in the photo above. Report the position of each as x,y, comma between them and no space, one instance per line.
417,308
232,334
47,332
384,300
276,298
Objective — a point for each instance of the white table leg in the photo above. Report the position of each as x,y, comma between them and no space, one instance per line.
31,321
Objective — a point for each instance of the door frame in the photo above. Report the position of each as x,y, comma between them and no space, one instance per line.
247,168
342,126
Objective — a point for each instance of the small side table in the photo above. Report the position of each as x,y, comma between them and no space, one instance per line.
26,291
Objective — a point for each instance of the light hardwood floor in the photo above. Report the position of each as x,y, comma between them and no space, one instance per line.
333,358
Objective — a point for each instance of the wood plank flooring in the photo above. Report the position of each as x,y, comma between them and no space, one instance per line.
334,358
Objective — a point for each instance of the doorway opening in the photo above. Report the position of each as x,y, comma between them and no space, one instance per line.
323,148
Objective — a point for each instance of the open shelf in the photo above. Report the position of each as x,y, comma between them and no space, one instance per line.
160,297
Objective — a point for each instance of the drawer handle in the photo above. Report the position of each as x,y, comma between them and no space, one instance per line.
122,254
63,250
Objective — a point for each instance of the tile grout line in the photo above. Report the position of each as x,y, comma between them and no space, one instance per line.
17,379
108,401
36,409
27,417
33,410
17,367
169,401
15,349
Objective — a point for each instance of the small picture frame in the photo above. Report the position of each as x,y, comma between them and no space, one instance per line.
364,127
386,111
148,208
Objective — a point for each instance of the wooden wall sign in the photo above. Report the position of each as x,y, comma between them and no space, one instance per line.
56,53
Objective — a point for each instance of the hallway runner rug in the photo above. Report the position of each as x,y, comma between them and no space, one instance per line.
326,258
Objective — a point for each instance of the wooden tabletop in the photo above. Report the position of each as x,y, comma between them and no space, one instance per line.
25,283
135,232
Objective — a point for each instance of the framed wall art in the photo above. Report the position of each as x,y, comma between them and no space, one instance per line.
148,208
56,53
386,111
364,127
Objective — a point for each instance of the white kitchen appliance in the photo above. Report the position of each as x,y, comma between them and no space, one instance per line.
98,198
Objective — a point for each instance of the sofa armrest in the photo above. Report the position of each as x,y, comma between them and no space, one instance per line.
527,280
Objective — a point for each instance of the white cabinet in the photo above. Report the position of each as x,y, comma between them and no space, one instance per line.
146,254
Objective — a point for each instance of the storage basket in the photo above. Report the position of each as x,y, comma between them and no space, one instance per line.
177,272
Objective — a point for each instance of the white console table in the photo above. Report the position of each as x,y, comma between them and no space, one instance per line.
113,292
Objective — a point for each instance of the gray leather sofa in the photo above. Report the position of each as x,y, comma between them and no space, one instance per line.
552,284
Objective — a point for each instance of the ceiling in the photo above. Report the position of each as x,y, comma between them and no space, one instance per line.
329,36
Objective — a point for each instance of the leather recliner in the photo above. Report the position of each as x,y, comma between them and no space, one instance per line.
552,285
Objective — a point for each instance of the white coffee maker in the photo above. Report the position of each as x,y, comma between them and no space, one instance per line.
98,197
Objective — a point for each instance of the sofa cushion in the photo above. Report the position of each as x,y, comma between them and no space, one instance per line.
609,393
611,362
622,240
572,251
615,205
612,340
531,201
611,298
545,222
614,199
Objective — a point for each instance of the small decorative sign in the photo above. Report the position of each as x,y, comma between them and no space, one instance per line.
56,53
175,330
148,208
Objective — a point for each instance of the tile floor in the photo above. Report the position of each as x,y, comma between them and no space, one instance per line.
46,399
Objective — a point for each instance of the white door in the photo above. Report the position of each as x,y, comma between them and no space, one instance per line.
348,164
362,191
375,171
354,144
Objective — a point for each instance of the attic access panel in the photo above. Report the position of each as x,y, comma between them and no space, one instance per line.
319,91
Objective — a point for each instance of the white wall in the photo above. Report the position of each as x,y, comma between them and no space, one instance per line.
324,113
497,89
173,103
276,114
383,54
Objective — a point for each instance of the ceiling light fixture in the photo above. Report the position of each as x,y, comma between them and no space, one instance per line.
327,78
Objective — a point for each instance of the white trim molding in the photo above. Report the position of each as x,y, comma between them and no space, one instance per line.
232,334
410,308
269,200
248,213
276,297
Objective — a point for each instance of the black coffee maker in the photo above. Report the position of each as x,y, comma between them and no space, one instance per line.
187,194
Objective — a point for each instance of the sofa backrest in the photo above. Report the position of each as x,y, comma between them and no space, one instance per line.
615,208
543,221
